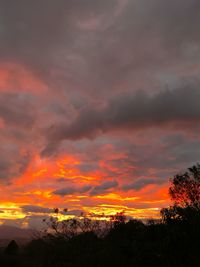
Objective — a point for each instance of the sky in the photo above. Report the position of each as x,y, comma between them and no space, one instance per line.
99,105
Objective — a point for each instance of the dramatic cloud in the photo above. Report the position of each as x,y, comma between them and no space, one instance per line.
137,111
99,105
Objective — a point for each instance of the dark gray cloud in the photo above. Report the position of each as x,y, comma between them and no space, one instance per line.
12,162
115,41
104,187
16,109
141,183
166,155
18,119
88,167
35,209
72,190
45,35
92,190
134,111
38,209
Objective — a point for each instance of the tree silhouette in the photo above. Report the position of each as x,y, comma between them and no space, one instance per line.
12,248
185,193
185,188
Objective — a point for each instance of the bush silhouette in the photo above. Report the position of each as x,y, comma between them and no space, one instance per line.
12,248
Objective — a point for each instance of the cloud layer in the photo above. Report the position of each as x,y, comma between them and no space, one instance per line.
99,104
132,112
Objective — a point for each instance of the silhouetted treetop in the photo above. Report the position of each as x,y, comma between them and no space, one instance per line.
12,248
185,188
185,193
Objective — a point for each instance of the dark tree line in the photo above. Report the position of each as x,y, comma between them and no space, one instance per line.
169,242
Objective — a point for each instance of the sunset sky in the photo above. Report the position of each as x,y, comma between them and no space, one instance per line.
99,105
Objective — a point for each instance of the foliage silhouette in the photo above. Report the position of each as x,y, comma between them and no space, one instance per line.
185,188
185,193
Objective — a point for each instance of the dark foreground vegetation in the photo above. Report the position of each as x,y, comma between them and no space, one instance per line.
172,241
